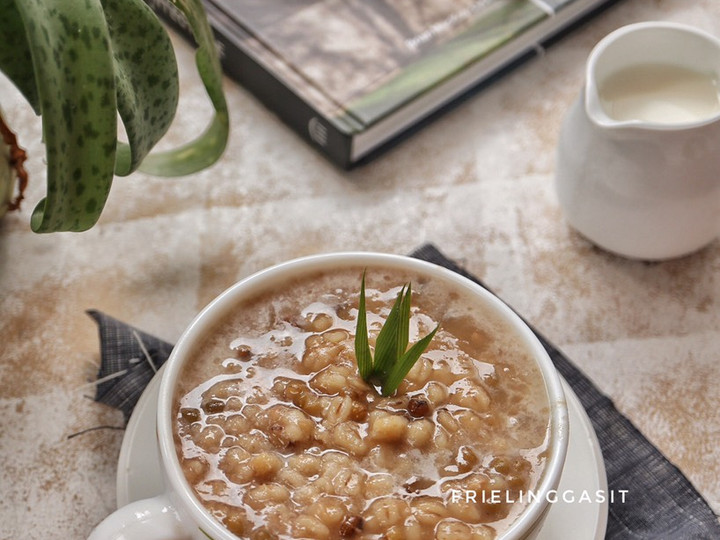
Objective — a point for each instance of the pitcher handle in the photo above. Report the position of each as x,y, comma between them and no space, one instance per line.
147,519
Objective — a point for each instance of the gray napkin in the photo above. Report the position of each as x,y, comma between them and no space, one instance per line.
661,504
129,359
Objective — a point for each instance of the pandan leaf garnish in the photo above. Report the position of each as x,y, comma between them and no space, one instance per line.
392,359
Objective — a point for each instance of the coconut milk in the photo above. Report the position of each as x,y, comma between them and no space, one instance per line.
660,93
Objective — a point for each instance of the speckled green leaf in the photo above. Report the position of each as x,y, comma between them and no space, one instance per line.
69,44
146,78
15,59
209,146
79,63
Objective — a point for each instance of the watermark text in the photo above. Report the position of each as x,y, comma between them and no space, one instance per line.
497,496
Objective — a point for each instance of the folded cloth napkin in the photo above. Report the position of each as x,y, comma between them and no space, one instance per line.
660,502
129,358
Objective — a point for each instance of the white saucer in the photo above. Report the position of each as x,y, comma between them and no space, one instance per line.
139,473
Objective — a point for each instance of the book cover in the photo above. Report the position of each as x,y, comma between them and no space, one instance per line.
352,75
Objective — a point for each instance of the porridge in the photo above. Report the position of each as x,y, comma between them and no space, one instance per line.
281,438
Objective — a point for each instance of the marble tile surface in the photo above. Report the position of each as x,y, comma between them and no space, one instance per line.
478,183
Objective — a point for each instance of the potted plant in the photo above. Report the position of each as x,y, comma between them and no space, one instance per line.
80,65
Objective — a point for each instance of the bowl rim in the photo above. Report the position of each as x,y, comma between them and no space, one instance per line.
221,305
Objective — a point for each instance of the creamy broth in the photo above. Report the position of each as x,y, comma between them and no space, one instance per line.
281,438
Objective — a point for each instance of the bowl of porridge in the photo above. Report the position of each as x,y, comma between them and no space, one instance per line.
267,430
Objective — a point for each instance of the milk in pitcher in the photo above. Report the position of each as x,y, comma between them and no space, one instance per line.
660,93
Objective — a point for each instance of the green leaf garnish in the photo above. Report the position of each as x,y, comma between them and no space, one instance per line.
362,348
389,345
393,360
405,364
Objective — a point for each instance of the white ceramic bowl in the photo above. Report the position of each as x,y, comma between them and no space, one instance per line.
179,512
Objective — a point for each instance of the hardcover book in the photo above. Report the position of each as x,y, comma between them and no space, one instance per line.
352,76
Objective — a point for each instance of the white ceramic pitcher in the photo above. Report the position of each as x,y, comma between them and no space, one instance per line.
645,189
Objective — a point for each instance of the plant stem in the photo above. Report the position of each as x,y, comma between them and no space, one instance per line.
16,160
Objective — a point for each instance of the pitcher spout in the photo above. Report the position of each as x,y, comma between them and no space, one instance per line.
595,110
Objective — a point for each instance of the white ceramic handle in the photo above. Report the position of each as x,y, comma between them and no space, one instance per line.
147,519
